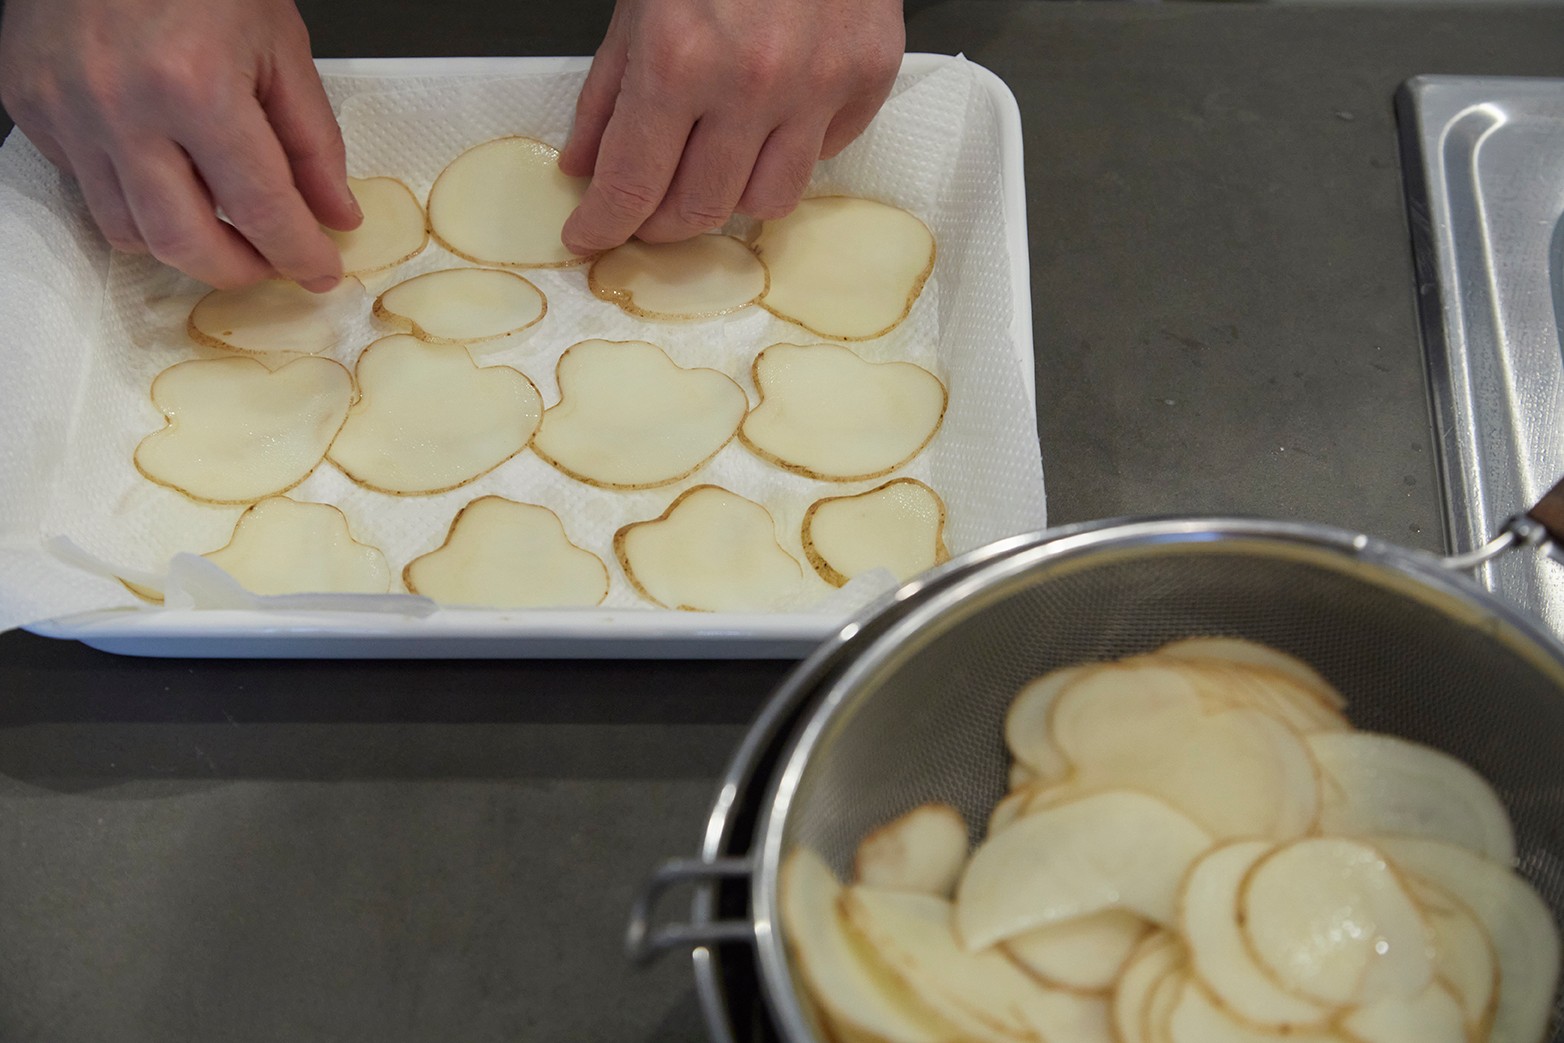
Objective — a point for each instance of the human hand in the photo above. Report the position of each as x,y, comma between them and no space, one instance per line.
697,109
166,110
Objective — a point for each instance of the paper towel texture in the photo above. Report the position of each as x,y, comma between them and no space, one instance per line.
91,330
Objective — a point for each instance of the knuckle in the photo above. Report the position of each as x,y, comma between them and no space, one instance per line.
700,213
625,200
261,214
174,245
181,76
759,67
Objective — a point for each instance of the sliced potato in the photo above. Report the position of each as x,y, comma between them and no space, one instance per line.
505,202
845,268
1432,1016
238,432
1068,1017
923,851
504,554
844,976
1239,773
1224,683
981,993
1219,957
1252,653
281,546
629,417
1517,921
393,229
1157,1016
826,413
899,526
1329,918
1195,1017
1029,725
275,317
1383,784
699,278
710,551
1011,807
1084,955
463,305
1464,957
1114,850
1156,957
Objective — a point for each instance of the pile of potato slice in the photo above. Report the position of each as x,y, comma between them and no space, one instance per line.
1197,848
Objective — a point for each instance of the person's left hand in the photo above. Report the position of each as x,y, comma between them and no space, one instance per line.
698,109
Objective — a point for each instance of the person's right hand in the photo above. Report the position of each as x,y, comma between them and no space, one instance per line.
167,111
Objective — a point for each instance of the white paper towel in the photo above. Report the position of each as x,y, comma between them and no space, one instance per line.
89,331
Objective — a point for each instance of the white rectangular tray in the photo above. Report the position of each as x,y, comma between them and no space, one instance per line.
470,633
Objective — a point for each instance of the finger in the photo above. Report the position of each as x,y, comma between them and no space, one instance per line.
175,216
707,184
635,163
782,171
595,105
850,121
106,202
51,150
247,172
301,117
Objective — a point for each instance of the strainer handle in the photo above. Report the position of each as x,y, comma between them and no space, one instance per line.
643,944
1542,525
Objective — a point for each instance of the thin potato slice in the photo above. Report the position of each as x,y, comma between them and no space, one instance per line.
1252,653
1464,957
899,526
1158,956
629,417
1029,725
1114,850
981,993
282,546
1229,684
1085,955
844,976
1432,1016
1219,957
699,278
845,268
1157,1016
238,432
393,230
923,852
710,551
429,419
826,413
1329,918
275,317
1383,784
1195,1017
504,554
463,305
1063,1016
505,202
1517,921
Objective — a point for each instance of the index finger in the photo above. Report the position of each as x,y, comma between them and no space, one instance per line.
244,165
635,163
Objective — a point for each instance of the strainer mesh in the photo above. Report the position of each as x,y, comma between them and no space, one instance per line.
1411,661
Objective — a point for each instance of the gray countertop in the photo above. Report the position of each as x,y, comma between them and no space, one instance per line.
238,851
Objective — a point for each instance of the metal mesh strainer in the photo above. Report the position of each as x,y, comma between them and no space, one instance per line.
917,713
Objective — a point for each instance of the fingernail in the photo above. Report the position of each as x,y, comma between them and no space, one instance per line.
358,211
321,285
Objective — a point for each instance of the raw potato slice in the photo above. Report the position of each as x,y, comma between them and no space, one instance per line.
1252,653
1464,957
1329,918
1009,808
1085,955
923,852
1433,1016
826,413
844,976
981,993
393,230
1239,773
1158,1013
1029,728
629,417
1062,1016
710,551
1517,921
699,278
505,202
463,305
1196,1018
1115,850
281,546
1158,956
1231,684
238,432
1382,784
899,526
1219,958
845,268
428,419
275,316
503,554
